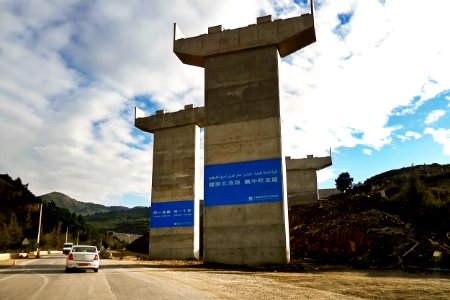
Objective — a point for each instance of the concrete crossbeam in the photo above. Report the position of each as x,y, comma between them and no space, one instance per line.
288,35
163,120
310,162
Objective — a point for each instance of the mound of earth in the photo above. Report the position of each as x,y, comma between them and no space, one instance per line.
360,233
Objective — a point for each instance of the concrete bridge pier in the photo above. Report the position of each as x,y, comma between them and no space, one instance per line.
302,178
175,225
245,213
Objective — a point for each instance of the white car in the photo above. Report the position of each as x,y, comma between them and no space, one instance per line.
67,247
83,257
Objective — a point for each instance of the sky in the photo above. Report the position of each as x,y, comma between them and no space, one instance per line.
374,89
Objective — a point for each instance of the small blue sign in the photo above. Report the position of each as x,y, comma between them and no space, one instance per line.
244,182
172,214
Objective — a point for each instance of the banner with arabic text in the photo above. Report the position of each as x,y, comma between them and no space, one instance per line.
244,182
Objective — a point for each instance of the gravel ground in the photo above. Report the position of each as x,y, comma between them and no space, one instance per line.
306,281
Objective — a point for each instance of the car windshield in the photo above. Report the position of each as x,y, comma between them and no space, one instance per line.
84,249
67,245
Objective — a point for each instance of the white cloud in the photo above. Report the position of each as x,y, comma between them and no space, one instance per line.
414,135
409,135
354,83
441,136
326,175
434,116
71,70
367,151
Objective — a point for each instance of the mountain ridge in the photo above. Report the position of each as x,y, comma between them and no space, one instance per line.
82,208
112,218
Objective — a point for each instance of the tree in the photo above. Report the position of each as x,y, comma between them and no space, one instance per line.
27,225
5,238
344,182
15,231
11,234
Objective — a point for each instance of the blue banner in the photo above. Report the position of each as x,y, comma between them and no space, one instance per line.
244,182
172,214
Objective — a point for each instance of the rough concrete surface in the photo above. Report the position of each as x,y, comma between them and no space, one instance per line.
243,124
176,149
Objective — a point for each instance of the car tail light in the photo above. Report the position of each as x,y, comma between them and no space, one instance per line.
96,257
70,257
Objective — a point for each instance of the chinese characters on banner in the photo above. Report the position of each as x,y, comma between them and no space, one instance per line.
244,182
172,214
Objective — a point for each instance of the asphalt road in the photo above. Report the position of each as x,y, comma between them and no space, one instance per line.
45,278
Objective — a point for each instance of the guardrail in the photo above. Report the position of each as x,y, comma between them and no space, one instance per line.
32,254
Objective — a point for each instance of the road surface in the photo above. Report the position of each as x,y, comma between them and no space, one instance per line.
45,278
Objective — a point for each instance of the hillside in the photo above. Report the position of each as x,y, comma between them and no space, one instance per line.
434,175
134,220
15,197
400,218
78,207
105,218
19,219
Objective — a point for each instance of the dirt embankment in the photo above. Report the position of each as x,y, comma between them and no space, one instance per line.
359,232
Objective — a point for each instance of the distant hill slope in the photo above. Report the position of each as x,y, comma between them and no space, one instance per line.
112,218
432,174
134,220
78,207
19,218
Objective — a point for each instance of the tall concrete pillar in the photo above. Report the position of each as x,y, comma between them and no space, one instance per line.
245,213
302,178
174,221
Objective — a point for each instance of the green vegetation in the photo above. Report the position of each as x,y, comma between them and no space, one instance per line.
104,218
419,194
397,218
78,207
344,182
134,220
19,218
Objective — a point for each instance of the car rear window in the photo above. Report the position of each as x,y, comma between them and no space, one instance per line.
84,249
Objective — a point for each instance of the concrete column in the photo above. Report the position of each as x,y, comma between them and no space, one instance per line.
245,213
302,178
175,225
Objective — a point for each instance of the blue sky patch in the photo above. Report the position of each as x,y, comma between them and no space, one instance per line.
404,149
96,128
344,18
301,2
135,199
413,118
145,103
145,137
342,29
